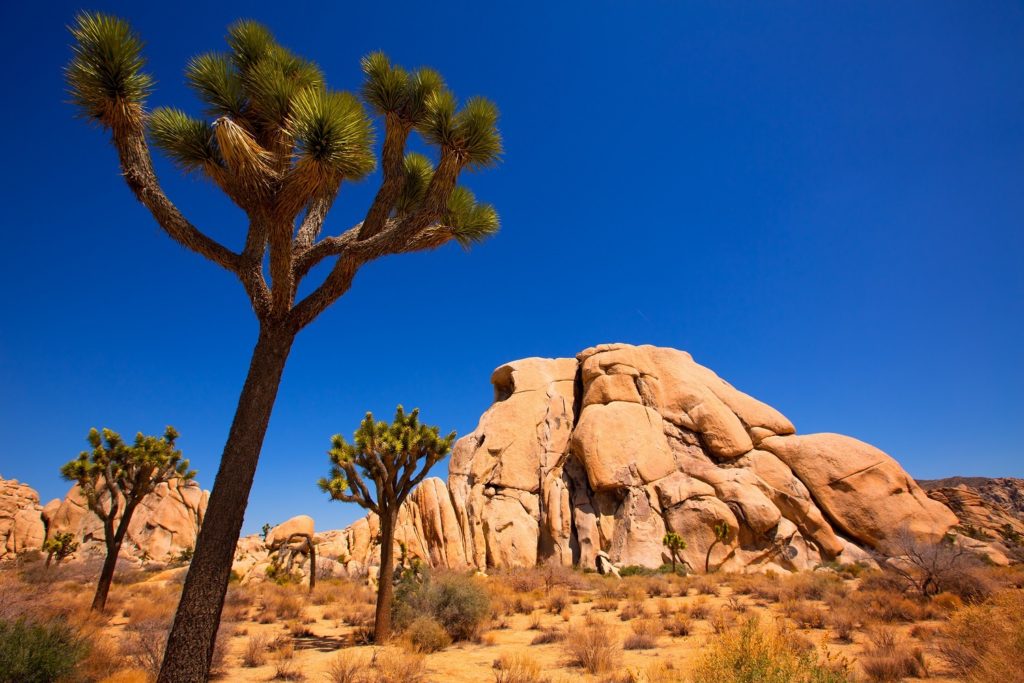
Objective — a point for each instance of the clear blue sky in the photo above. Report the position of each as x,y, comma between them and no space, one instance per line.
823,202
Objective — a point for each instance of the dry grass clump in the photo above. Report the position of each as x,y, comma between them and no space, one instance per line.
805,614
427,635
766,654
557,600
548,635
633,609
287,670
679,624
255,653
843,622
986,642
592,646
387,665
700,609
890,658
280,603
644,636
517,668
722,620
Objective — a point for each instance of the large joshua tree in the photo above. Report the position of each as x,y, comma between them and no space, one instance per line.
395,458
280,145
115,477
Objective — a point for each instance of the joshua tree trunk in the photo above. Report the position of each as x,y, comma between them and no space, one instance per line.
113,539
385,581
707,558
312,563
191,640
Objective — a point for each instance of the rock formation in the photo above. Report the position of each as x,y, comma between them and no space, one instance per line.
608,451
166,523
21,527
991,512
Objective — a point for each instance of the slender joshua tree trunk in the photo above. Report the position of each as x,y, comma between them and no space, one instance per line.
113,540
187,659
385,584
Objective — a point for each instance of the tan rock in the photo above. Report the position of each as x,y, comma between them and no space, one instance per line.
300,524
621,444
21,526
861,489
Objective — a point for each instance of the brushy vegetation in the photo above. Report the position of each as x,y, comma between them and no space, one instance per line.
33,652
460,604
593,646
985,642
755,653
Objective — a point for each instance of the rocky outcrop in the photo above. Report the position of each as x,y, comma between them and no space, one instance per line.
165,523
990,511
609,451
21,527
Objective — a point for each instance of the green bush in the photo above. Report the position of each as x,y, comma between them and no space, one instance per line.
38,653
427,635
752,653
459,603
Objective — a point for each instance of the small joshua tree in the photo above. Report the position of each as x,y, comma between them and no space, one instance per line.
395,457
115,477
722,534
675,544
60,546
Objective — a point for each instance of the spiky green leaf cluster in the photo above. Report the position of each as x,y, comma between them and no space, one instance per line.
386,453
105,74
187,141
471,131
134,469
332,129
392,90
673,541
470,220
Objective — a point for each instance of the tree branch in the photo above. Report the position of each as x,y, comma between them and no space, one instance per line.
137,166
396,132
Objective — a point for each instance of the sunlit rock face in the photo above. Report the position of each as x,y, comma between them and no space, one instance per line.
610,450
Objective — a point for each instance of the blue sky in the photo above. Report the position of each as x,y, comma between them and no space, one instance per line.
821,201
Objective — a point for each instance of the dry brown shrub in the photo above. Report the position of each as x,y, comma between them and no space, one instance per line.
679,624
592,646
722,620
632,609
557,600
700,609
517,668
606,604
347,667
425,634
522,579
805,614
890,658
706,584
985,642
548,635
843,622
665,608
255,653
287,670
536,620
281,603
644,636
397,666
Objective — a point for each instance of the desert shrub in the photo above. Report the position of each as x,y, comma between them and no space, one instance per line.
287,670
679,624
517,669
395,666
548,635
752,653
700,609
805,614
427,635
522,579
947,602
255,653
592,646
631,610
32,652
281,603
890,658
722,620
459,603
635,570
557,600
346,667
644,635
843,622
985,642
